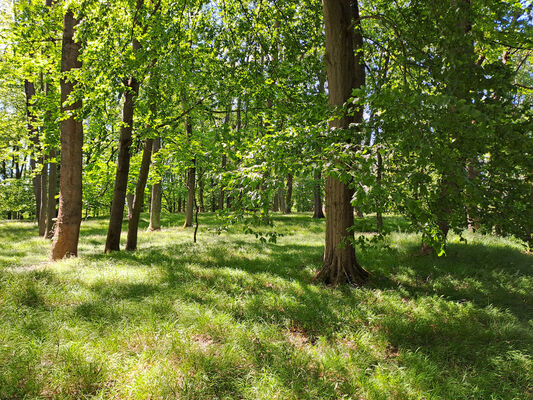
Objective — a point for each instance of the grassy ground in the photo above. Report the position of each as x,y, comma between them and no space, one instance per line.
231,318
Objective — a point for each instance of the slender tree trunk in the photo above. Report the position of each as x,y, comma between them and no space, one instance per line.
317,195
191,182
221,194
155,207
44,200
67,231
129,203
288,201
138,200
213,196
123,167
345,70
29,89
123,164
379,215
201,207
281,200
275,206
189,208
52,189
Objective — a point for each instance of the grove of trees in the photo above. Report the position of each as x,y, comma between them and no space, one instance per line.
249,107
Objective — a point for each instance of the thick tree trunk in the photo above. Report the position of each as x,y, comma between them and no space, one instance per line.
155,206
288,201
70,181
189,208
29,89
317,195
52,189
44,200
138,200
345,70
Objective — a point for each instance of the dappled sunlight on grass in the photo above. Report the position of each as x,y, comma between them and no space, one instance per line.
230,317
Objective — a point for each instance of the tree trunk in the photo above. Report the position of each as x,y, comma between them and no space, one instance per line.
189,208
44,200
52,188
191,181
317,195
288,201
281,200
155,207
70,181
221,194
123,164
345,70
201,207
379,215
213,196
129,203
29,89
275,205
138,200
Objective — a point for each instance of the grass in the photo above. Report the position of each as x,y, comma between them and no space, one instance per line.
231,318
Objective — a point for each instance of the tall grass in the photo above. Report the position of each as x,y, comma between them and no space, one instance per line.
232,318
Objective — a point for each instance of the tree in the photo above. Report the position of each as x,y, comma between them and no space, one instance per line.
345,70
67,232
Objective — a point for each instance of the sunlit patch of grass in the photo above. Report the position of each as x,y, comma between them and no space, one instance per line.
233,318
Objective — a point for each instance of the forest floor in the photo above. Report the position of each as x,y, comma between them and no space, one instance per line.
232,318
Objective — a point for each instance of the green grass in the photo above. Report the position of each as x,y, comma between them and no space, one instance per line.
231,318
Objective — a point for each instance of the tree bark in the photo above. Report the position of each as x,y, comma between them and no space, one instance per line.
129,203
123,167
138,200
52,189
379,215
29,89
345,70
288,201
123,164
221,194
155,206
191,182
44,200
317,195
67,231
201,207
189,207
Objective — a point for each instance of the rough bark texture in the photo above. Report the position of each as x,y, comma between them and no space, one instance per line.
138,200
52,189
155,205
70,186
44,200
288,201
317,195
29,89
345,70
